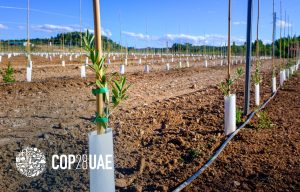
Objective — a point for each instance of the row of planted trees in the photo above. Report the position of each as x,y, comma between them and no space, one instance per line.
288,50
110,91
72,42
100,141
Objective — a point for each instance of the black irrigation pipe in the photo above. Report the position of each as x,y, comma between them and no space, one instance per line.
220,149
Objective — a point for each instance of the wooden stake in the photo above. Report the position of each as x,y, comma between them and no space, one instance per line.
284,55
257,29
80,15
98,47
280,42
273,39
28,34
229,47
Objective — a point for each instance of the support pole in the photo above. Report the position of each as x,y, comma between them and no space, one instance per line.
229,45
28,35
280,41
273,40
257,30
248,59
80,21
98,47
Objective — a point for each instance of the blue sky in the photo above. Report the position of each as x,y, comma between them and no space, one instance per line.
145,23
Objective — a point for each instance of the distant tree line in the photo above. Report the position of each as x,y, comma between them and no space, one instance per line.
72,39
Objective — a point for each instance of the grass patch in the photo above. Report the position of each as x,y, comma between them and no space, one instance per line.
264,120
8,74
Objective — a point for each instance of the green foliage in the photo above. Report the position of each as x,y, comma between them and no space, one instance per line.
71,40
8,74
289,64
226,86
117,82
193,153
119,90
264,120
190,156
256,77
238,115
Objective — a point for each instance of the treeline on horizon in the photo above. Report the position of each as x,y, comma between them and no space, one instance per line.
72,39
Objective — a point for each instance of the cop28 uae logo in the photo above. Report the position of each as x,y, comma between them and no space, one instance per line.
31,162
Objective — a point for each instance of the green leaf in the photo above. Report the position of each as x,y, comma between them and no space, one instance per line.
123,79
98,83
118,85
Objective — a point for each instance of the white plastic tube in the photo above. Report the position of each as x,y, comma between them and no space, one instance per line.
257,95
63,63
287,73
0,58
167,66
179,65
122,69
273,84
146,69
292,70
28,73
126,61
70,58
221,62
140,61
205,63
86,61
284,75
30,64
230,114
187,64
101,147
172,60
82,71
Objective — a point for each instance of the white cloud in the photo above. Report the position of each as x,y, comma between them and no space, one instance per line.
53,28
212,39
283,24
106,32
136,35
266,41
50,28
184,38
3,26
239,23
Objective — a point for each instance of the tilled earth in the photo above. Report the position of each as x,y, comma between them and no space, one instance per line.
173,121
265,159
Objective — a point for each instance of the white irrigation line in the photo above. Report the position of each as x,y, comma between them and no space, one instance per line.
220,149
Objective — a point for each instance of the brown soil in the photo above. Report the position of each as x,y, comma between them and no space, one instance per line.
265,159
173,119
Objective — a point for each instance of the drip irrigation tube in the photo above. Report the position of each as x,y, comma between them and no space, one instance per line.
220,149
